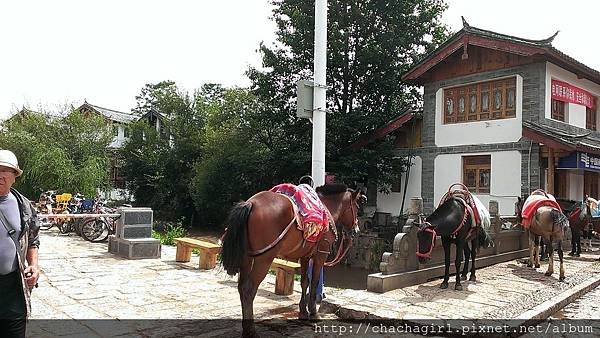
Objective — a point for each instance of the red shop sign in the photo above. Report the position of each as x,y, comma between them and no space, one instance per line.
565,92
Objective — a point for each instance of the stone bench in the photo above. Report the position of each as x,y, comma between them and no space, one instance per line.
284,276
208,252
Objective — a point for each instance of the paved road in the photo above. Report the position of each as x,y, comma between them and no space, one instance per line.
81,283
578,319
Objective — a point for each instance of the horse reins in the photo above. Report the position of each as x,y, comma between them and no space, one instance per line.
339,255
430,229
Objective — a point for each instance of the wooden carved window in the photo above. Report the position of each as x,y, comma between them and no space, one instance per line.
477,173
558,110
481,101
590,119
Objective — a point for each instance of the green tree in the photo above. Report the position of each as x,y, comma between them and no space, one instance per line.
159,165
67,153
371,43
236,161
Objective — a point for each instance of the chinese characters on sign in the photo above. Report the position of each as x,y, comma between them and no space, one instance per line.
565,92
587,161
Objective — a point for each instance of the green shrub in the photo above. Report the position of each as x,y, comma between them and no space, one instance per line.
166,232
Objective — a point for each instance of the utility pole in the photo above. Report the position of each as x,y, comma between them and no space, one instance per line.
319,92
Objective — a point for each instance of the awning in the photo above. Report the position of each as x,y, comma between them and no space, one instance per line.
561,139
383,131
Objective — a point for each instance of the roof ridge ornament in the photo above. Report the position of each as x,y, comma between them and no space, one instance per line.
549,40
465,23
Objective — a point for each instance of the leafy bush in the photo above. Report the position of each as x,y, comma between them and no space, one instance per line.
166,232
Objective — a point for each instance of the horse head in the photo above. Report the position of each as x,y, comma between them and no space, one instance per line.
447,219
347,201
426,236
352,203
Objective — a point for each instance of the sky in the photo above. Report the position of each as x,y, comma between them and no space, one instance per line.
60,52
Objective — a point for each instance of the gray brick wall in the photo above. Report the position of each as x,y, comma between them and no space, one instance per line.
533,108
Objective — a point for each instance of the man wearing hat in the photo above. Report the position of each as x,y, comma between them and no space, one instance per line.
19,242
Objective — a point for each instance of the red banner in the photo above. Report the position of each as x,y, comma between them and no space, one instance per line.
565,92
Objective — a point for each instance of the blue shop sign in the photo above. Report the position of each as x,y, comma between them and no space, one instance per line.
583,161
588,161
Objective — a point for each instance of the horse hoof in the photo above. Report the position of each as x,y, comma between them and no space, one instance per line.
303,315
561,279
314,316
458,287
472,278
548,273
463,277
529,265
444,285
537,266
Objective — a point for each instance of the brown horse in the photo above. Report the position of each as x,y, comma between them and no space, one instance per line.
549,224
262,228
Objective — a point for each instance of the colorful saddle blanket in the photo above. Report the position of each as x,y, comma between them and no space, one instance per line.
312,217
535,201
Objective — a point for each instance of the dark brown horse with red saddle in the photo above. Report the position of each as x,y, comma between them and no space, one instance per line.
265,227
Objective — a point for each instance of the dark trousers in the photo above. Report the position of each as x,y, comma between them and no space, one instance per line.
12,306
576,240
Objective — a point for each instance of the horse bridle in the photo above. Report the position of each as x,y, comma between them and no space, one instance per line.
340,254
354,218
427,227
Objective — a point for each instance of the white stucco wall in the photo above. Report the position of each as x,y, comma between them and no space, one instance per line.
493,131
505,184
391,202
118,140
575,112
575,185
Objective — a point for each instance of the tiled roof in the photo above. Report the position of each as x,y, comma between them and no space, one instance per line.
523,46
389,127
111,114
561,138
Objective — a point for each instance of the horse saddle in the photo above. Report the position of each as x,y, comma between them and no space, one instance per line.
312,217
537,199
470,202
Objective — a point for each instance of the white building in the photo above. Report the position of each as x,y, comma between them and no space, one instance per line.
504,116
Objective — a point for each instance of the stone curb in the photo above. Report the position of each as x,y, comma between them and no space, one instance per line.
542,311
531,317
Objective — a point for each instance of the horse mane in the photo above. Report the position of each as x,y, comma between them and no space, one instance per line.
559,218
332,189
443,210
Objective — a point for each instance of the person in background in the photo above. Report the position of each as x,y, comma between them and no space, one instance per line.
320,294
19,242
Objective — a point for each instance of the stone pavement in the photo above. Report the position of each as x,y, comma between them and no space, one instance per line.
81,282
502,291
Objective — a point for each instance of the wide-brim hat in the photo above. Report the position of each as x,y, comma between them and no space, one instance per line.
9,160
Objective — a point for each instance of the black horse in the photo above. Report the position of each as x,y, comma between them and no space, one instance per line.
451,221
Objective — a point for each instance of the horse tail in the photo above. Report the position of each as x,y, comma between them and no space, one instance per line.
485,239
559,219
235,240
